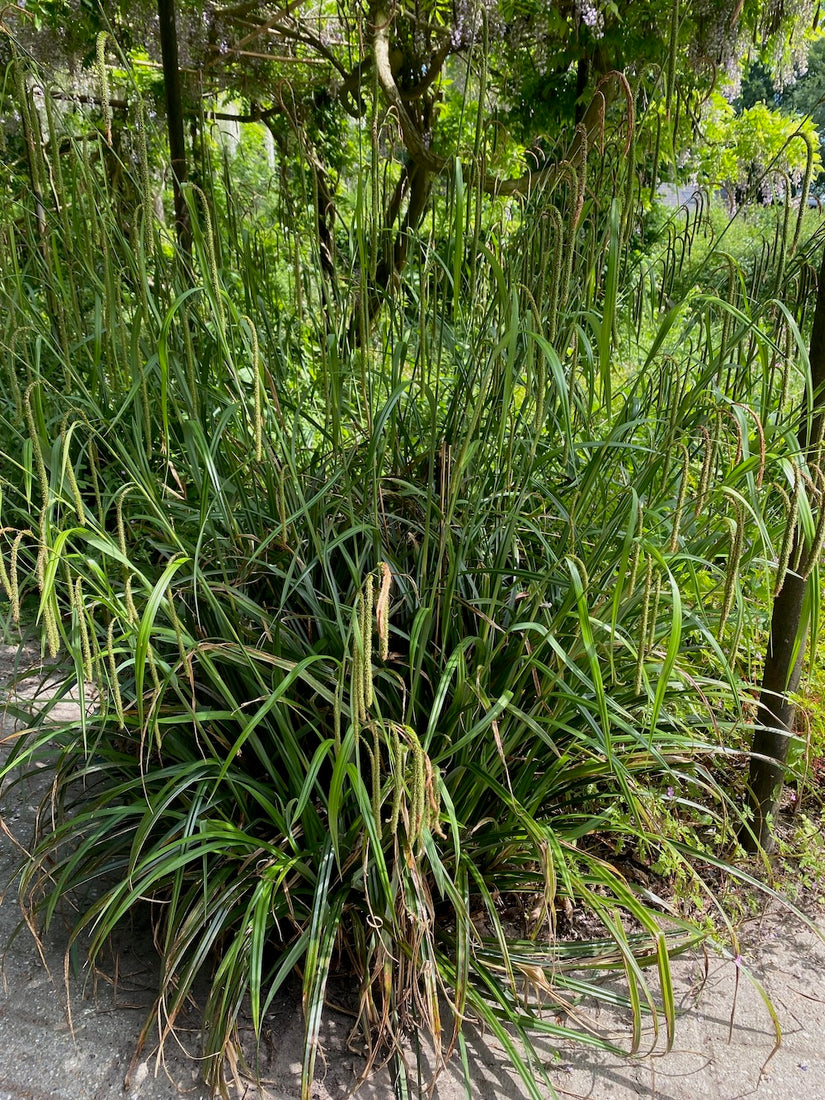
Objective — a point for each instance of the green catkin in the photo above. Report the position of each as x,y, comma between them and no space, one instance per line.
373,770
581,189
643,628
75,491
95,482
433,798
140,258
673,415
85,647
153,670
418,783
734,559
537,259
42,550
760,434
190,358
5,580
398,760
52,632
639,305
376,777
147,410
336,717
10,580
654,616
14,586
579,180
211,256
654,176
811,557
357,685
114,682
121,527
382,612
556,277
806,292
128,599
815,553
375,186
804,480
680,501
103,84
70,589
539,393
628,220
791,508
145,179
737,429
634,568
566,240
707,469
27,117
58,181
786,372
782,249
120,313
106,302
298,280
34,435
366,638
257,392
786,500
582,572
806,185
12,372
48,614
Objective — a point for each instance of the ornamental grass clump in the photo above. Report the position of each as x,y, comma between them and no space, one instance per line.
398,647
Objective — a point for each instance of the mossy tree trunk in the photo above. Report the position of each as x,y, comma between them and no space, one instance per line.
174,114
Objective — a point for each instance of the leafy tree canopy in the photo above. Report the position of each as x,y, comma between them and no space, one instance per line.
756,145
547,60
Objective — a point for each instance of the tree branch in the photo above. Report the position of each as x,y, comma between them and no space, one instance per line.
267,24
174,115
414,141
78,97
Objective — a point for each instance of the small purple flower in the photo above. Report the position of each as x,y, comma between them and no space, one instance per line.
591,16
670,793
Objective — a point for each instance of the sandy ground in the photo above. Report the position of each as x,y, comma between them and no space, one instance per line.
724,1047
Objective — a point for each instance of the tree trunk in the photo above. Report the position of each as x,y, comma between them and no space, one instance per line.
582,80
390,267
775,712
784,659
174,116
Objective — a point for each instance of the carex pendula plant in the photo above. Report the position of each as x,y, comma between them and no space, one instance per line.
403,642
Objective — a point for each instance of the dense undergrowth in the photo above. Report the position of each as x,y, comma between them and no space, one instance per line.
388,627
